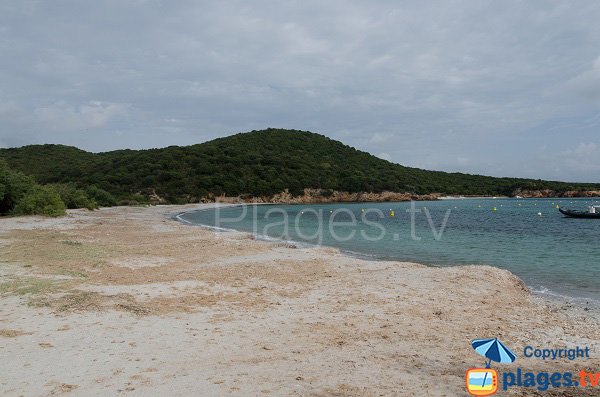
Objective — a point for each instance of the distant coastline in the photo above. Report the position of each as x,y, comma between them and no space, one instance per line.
322,196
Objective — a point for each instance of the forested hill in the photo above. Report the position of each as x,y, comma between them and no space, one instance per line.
257,163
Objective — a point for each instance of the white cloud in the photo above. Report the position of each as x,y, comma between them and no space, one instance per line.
462,160
582,149
94,114
379,138
586,149
583,158
385,156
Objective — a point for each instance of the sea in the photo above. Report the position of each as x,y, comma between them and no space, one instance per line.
552,254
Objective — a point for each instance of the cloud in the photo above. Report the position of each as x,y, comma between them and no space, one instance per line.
8,109
428,83
462,160
585,85
586,149
94,114
582,159
379,138
385,156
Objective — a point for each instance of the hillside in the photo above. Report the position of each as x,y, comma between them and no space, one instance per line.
257,163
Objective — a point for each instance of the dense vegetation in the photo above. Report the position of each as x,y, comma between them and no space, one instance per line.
258,163
21,195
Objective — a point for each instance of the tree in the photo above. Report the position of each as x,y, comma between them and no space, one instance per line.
258,163
40,200
100,196
13,186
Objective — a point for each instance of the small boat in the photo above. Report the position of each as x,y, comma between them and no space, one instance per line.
593,212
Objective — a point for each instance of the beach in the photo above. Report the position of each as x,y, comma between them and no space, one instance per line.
126,300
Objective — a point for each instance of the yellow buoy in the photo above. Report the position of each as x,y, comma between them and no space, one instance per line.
392,213
494,209
557,206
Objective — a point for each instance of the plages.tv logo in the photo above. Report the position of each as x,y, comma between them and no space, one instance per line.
484,381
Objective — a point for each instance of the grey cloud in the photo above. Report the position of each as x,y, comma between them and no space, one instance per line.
94,114
586,85
455,85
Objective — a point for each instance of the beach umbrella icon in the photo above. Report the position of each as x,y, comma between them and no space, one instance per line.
493,350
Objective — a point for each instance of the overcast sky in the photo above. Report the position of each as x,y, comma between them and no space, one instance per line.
500,88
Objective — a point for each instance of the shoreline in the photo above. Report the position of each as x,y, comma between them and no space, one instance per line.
550,296
127,300
350,198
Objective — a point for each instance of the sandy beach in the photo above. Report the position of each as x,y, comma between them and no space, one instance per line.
127,301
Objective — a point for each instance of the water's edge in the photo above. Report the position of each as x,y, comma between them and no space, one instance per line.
547,296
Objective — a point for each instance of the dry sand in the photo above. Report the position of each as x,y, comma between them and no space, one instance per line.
127,301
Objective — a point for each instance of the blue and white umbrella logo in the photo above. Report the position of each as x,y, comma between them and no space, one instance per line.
493,350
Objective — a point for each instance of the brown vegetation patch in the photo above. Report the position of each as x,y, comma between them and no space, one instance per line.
28,286
121,253
195,302
76,301
12,333
63,388
57,253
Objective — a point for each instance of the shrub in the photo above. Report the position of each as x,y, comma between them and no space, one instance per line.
13,186
74,198
326,193
101,196
40,200
134,199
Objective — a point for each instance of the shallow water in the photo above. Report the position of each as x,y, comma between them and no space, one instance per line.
551,253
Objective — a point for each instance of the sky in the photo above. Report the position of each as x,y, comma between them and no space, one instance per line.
502,88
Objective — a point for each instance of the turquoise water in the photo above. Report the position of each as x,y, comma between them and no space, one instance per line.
551,253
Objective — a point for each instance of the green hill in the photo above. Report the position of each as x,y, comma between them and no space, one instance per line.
257,163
